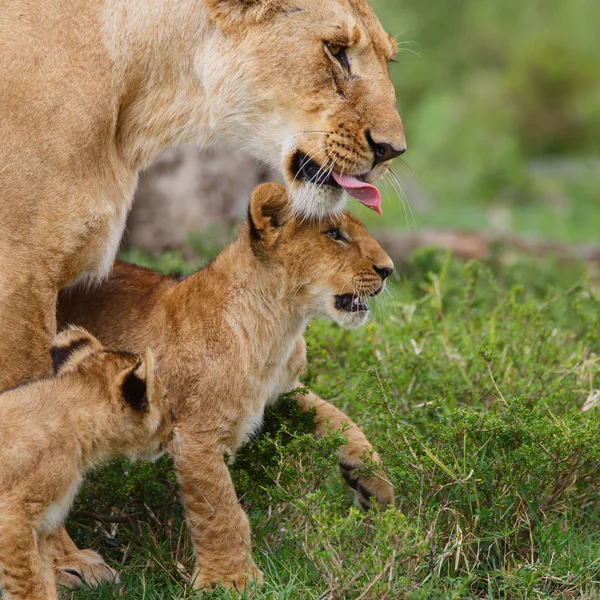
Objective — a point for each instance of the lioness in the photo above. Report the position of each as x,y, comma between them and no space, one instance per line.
90,91
99,405
229,340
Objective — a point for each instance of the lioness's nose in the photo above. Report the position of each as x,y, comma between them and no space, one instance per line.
383,272
383,150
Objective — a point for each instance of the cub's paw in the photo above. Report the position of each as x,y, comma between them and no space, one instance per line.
83,568
367,486
238,580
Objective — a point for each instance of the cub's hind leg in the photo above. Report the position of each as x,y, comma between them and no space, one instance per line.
21,569
354,455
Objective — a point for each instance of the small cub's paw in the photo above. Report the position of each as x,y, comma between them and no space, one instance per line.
233,580
84,568
365,487
67,578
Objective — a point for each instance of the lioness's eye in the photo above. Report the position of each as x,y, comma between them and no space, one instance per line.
335,234
339,53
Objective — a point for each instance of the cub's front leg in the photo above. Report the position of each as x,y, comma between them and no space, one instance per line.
353,455
22,573
219,526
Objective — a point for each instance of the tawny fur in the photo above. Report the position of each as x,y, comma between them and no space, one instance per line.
100,405
229,341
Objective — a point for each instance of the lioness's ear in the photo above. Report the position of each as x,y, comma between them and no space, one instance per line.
70,347
269,209
137,383
236,14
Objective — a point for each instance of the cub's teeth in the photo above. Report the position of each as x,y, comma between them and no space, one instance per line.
356,301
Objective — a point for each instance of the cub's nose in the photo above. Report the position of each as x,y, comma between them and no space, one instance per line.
384,151
383,272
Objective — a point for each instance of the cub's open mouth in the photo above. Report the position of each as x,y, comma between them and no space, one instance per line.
350,303
306,169
354,303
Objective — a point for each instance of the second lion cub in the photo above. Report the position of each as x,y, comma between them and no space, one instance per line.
99,405
229,341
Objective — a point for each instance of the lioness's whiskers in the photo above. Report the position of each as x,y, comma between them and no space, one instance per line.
403,196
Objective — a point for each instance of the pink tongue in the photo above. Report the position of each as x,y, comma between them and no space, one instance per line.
365,193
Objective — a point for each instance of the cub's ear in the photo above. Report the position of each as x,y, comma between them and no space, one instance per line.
233,15
137,384
269,210
70,347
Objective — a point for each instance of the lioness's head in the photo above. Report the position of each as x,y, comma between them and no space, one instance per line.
328,268
312,94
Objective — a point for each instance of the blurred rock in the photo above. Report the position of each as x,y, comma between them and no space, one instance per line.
470,245
187,190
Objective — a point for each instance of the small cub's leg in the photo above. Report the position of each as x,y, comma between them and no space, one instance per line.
219,526
47,567
353,454
21,568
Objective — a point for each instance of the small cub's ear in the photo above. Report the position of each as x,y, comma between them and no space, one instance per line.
138,382
70,347
233,15
268,211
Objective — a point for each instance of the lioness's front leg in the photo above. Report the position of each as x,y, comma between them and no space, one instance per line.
27,322
353,455
219,526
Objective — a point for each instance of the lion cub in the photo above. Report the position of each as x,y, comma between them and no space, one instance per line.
229,341
99,405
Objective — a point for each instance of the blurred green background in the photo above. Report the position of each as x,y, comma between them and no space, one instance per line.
501,105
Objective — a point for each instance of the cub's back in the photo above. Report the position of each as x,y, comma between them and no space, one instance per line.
120,310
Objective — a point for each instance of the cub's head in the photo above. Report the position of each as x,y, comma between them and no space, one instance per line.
311,94
123,386
327,268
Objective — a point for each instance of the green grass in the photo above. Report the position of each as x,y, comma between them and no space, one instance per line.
470,383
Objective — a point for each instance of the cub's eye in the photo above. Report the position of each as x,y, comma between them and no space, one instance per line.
339,53
335,234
